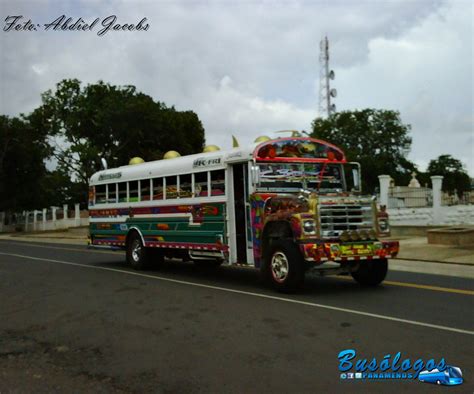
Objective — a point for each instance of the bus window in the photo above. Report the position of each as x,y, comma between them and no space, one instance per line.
217,183
171,187
145,189
112,195
185,186
133,191
122,192
100,197
200,184
158,189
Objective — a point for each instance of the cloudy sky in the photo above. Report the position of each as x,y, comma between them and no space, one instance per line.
251,67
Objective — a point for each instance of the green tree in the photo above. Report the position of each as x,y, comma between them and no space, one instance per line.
453,171
87,123
23,151
377,139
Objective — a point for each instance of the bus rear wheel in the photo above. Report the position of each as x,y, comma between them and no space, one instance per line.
283,266
371,272
138,257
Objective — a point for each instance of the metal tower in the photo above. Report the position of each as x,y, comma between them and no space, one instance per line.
325,92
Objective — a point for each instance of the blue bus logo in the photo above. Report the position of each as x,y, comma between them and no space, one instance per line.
451,376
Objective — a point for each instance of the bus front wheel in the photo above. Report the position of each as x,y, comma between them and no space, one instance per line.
283,266
137,255
371,272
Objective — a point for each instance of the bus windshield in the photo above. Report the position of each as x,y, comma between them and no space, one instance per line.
324,177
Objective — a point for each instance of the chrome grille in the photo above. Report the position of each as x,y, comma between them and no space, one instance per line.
336,218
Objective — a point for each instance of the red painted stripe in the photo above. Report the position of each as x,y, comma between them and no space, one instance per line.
185,245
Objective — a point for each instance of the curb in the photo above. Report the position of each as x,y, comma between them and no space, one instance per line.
434,261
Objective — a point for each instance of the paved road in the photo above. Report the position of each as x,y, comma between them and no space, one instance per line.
77,320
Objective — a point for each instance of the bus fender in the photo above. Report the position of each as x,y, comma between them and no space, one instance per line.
273,230
135,229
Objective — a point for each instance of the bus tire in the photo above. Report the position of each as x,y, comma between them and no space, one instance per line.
138,257
283,266
371,272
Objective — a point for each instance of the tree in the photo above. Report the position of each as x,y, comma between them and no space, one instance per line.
116,123
375,138
454,173
23,151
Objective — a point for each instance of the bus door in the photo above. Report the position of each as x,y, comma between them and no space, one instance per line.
239,224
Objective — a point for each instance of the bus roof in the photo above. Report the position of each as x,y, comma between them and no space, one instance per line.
292,149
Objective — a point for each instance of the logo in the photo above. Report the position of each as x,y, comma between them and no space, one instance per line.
451,376
203,162
396,367
116,175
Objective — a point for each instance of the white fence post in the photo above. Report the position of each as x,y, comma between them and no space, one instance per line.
54,217
384,181
65,211
77,214
437,182
44,219
35,219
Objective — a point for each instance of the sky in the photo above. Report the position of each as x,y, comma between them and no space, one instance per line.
250,68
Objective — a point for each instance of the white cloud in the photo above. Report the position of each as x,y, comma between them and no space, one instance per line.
249,68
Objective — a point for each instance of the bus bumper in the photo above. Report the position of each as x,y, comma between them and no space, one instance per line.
320,252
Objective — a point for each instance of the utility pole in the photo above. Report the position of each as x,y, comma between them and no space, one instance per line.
325,91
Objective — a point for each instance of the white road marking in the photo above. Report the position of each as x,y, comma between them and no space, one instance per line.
270,297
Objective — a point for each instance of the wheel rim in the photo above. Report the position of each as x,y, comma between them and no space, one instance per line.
280,267
136,250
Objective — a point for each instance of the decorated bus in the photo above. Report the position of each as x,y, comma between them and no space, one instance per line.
285,206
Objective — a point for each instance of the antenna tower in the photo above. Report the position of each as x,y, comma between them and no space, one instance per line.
325,92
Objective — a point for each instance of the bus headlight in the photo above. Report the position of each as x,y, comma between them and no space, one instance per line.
309,227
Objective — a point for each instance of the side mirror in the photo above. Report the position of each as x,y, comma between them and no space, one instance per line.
355,182
355,176
255,171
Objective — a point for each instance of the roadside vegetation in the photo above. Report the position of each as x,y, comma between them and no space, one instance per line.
47,156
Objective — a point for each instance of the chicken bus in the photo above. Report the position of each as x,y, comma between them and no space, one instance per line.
285,206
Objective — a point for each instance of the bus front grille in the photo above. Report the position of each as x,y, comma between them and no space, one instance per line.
337,218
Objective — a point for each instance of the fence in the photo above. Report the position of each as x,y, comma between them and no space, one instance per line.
409,197
449,199
47,219
423,206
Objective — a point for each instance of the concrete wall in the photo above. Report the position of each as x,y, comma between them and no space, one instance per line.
448,216
436,214
46,220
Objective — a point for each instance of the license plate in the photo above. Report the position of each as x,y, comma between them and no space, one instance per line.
356,250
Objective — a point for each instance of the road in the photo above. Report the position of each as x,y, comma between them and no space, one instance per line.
73,319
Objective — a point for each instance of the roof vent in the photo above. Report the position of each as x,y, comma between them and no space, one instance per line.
171,154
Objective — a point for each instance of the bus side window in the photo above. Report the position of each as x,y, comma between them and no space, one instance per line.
185,186
217,183
200,184
171,187
112,195
158,189
100,197
133,191
122,192
145,189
